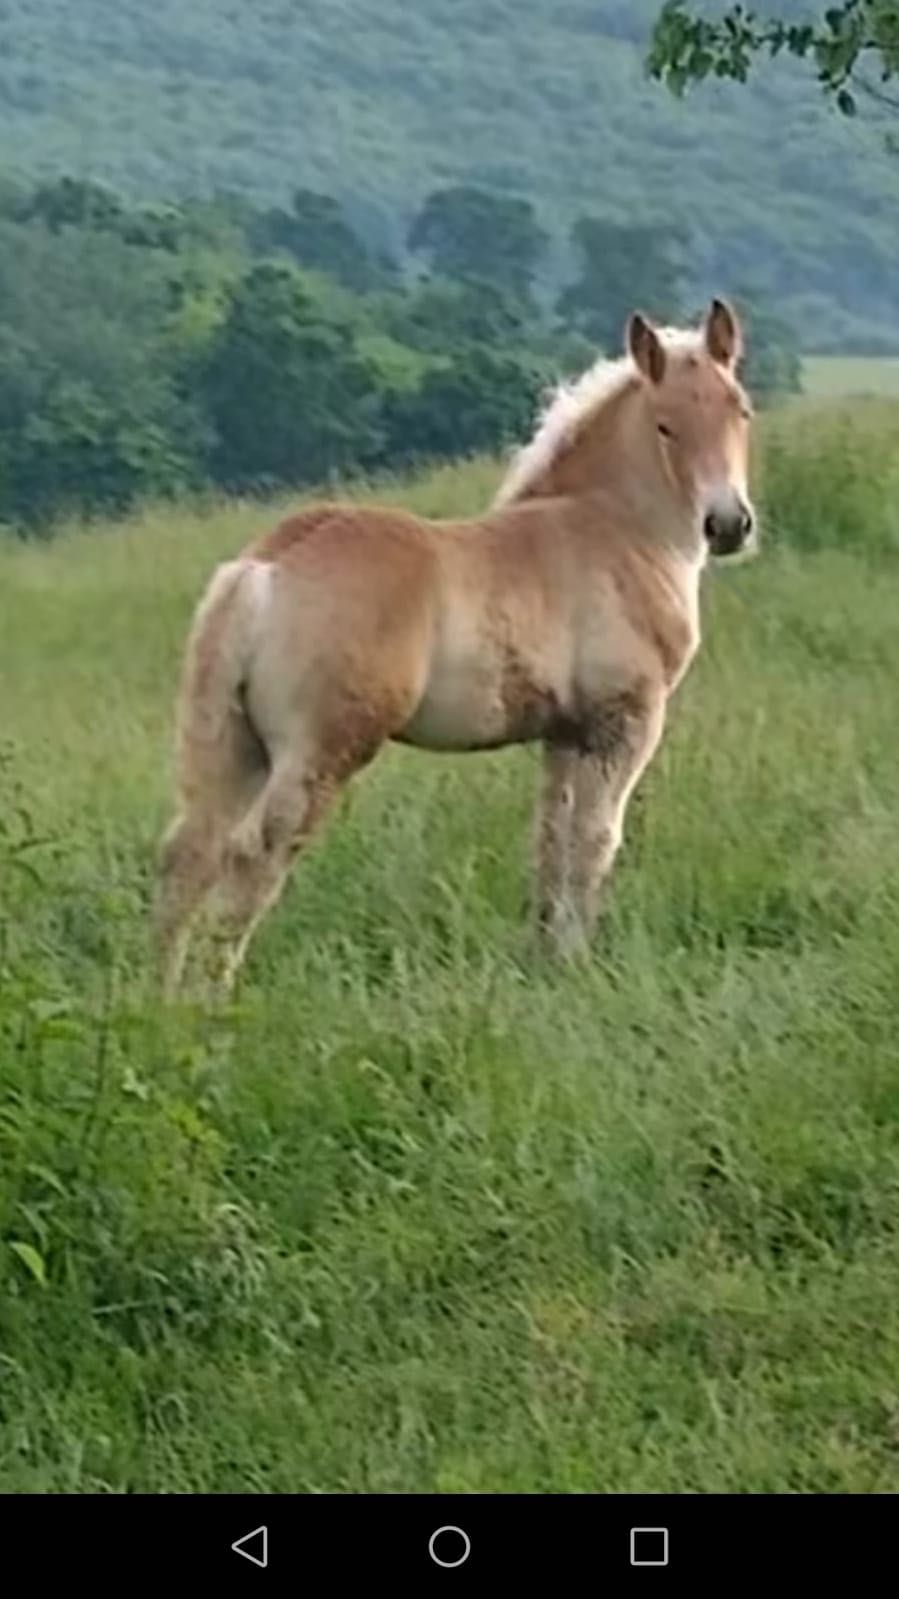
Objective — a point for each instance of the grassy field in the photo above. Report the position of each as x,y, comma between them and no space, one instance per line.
419,1213
829,377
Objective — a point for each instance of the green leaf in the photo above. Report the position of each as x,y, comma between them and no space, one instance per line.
132,1084
32,1260
48,1177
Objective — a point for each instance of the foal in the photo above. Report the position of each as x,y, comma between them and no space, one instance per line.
568,613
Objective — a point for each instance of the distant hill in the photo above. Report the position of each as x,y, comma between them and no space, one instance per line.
378,101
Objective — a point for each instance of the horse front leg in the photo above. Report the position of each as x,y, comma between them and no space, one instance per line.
603,785
556,916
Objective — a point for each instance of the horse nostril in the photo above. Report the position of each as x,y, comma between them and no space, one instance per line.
710,527
746,524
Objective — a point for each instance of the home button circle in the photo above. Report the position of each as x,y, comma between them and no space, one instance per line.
449,1547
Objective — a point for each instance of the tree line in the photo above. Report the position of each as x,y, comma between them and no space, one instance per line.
150,350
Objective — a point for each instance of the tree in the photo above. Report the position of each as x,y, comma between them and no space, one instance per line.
153,227
480,400
839,40
90,416
81,453
316,234
290,397
13,199
623,266
473,235
79,203
75,203
773,364
440,316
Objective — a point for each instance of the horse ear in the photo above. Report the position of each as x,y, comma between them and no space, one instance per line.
645,347
723,334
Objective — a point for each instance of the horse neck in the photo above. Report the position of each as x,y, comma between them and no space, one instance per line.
616,459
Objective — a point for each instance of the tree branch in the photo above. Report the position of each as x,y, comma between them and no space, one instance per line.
687,48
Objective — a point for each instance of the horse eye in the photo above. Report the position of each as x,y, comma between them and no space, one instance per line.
665,431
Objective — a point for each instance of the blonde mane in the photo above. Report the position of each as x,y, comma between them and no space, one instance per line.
569,405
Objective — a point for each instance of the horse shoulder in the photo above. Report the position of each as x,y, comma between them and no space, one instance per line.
660,606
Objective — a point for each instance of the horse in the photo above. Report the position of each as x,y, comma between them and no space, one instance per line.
567,614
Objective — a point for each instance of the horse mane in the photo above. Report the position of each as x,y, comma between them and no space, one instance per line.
568,406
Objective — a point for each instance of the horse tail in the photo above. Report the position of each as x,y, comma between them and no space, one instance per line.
215,733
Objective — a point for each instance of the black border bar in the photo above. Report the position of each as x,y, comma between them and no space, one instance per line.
713,1542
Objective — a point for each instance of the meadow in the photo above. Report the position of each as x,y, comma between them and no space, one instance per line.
833,377
418,1212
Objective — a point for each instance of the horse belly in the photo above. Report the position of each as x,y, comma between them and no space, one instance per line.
471,705
459,710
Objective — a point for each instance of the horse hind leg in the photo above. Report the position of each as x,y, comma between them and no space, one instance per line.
187,870
312,758
260,851
216,791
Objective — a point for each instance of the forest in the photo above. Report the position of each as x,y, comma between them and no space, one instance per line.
133,335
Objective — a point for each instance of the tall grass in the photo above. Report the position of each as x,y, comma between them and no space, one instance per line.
830,475
417,1212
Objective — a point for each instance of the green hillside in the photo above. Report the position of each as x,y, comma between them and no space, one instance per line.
378,101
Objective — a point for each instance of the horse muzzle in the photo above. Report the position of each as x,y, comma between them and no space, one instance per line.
729,532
